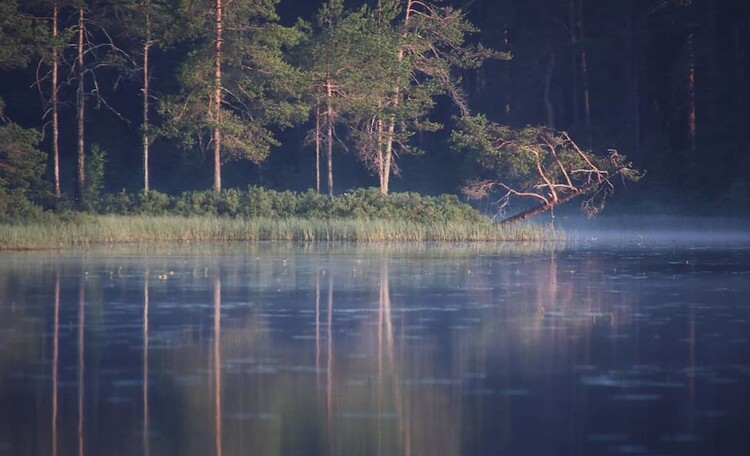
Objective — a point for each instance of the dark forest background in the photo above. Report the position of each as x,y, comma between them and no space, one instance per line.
665,82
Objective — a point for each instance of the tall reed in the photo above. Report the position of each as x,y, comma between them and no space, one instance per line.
114,229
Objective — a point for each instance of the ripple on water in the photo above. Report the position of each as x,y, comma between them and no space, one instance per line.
504,392
681,438
432,382
631,449
366,415
127,383
637,397
253,416
607,438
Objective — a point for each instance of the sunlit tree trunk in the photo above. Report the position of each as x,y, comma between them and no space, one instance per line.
80,186
217,99
317,145
55,118
387,156
146,83
329,133
379,146
391,123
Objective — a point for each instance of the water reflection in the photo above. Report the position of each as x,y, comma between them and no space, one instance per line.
146,416
55,361
217,365
299,351
81,361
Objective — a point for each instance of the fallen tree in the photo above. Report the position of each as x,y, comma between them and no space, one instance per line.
538,163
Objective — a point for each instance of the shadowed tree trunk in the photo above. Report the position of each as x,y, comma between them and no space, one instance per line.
548,106
585,77
574,95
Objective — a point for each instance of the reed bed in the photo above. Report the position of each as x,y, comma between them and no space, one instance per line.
115,229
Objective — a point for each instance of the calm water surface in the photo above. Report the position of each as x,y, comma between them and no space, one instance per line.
271,349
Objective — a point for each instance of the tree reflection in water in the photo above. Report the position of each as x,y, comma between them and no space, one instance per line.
422,353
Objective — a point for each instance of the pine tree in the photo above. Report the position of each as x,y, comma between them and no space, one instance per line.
428,43
21,162
145,25
236,84
335,61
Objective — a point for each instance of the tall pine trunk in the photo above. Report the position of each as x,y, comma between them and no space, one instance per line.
146,84
80,187
391,124
388,154
317,144
379,145
329,133
55,101
216,105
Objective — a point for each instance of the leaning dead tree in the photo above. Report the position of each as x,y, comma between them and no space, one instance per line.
541,164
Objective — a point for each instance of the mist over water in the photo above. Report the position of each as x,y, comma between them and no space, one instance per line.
656,231
601,345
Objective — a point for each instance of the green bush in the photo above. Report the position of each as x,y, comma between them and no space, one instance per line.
257,202
118,203
152,203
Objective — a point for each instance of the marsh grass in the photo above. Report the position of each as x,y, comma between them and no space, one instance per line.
114,229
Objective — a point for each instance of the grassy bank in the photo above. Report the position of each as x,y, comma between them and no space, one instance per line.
120,229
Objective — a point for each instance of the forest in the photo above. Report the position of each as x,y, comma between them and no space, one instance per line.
105,102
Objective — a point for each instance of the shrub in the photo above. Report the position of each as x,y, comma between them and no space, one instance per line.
257,202
152,203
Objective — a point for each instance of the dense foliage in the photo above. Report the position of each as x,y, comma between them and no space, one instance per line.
184,95
256,202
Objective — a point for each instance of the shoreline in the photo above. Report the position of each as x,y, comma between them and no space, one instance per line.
106,230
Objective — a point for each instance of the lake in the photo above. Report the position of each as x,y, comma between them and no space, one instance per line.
590,348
